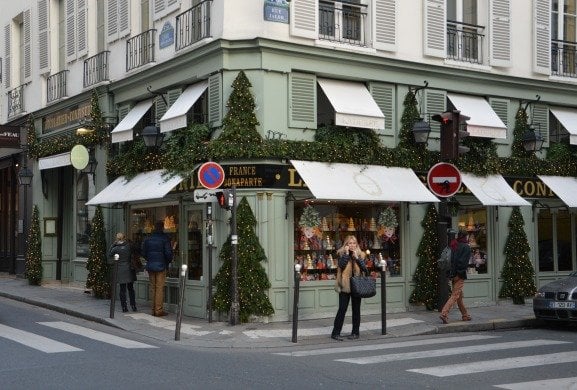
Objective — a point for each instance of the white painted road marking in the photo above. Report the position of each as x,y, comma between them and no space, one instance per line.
96,335
377,347
35,341
499,364
450,351
560,383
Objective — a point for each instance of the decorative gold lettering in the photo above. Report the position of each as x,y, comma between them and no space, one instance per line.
292,179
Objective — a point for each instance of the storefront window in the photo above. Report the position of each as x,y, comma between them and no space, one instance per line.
315,246
142,220
85,190
554,233
194,243
474,222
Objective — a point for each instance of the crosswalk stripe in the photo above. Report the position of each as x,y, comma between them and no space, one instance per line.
499,364
96,335
558,383
35,341
450,351
376,347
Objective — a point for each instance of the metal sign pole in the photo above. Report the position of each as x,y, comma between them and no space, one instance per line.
235,306
209,240
383,265
114,278
297,274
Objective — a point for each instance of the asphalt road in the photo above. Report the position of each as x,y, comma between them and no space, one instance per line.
41,349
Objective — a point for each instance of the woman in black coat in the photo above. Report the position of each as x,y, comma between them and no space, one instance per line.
125,275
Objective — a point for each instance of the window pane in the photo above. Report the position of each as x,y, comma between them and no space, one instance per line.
545,240
565,262
474,221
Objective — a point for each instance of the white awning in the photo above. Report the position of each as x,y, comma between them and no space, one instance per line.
568,118
492,190
55,161
123,130
144,186
336,181
484,121
564,187
175,117
354,106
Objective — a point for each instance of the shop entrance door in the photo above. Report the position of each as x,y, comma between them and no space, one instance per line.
194,258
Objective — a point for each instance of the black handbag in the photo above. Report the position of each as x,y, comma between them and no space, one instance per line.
363,286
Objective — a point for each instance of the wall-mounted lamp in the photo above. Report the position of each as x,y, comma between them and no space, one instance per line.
421,128
152,136
532,140
25,176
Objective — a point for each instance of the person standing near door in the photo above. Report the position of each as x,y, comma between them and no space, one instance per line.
157,251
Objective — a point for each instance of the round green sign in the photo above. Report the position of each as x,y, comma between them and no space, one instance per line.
79,157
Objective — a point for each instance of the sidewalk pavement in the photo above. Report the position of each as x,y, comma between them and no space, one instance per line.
74,301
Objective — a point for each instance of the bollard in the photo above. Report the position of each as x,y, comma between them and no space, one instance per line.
114,278
296,302
383,265
182,282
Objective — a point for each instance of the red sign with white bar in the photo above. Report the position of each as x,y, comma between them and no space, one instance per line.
444,179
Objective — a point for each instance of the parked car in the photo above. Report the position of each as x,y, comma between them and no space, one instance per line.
557,300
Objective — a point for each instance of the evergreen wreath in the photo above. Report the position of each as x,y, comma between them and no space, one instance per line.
310,217
388,218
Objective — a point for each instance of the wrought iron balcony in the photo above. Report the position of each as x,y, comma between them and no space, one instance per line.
563,58
193,25
140,50
96,69
342,21
16,101
56,84
465,42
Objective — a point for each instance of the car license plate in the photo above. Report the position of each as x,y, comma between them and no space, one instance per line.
562,305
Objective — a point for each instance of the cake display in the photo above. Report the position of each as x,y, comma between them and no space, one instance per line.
351,227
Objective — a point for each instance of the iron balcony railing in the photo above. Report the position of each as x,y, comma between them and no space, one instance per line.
193,25
563,58
56,84
96,69
342,21
16,101
140,49
465,42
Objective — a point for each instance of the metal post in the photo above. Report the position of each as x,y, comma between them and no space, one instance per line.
182,282
383,265
297,276
114,278
442,225
209,241
234,307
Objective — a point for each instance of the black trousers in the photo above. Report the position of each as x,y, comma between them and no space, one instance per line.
340,317
131,295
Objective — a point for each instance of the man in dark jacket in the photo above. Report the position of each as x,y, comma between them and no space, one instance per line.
461,253
157,251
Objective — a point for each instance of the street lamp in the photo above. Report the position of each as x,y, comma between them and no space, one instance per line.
532,140
152,136
25,177
421,131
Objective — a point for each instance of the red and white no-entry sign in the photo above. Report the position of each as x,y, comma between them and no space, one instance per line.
444,179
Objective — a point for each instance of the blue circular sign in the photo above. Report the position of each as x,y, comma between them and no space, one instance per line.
211,175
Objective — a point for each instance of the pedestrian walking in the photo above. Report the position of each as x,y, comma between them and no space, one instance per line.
460,255
125,276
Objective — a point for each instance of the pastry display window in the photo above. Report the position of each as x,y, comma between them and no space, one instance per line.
84,190
142,221
474,222
320,229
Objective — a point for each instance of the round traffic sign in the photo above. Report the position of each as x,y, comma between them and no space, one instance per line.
210,175
444,179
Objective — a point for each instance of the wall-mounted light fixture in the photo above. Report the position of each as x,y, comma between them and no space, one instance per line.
25,176
532,139
152,136
421,128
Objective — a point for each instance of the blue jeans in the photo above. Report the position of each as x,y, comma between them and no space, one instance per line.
340,317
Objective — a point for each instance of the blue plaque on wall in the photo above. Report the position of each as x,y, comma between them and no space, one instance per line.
166,36
276,11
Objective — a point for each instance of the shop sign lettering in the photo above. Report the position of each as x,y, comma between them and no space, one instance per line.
64,119
9,137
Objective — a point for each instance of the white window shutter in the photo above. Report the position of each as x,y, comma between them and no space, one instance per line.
7,56
542,36
27,49
435,39
43,37
302,100
304,18
123,18
384,96
501,108
500,30
112,16
81,27
384,25
215,100
70,30
159,9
